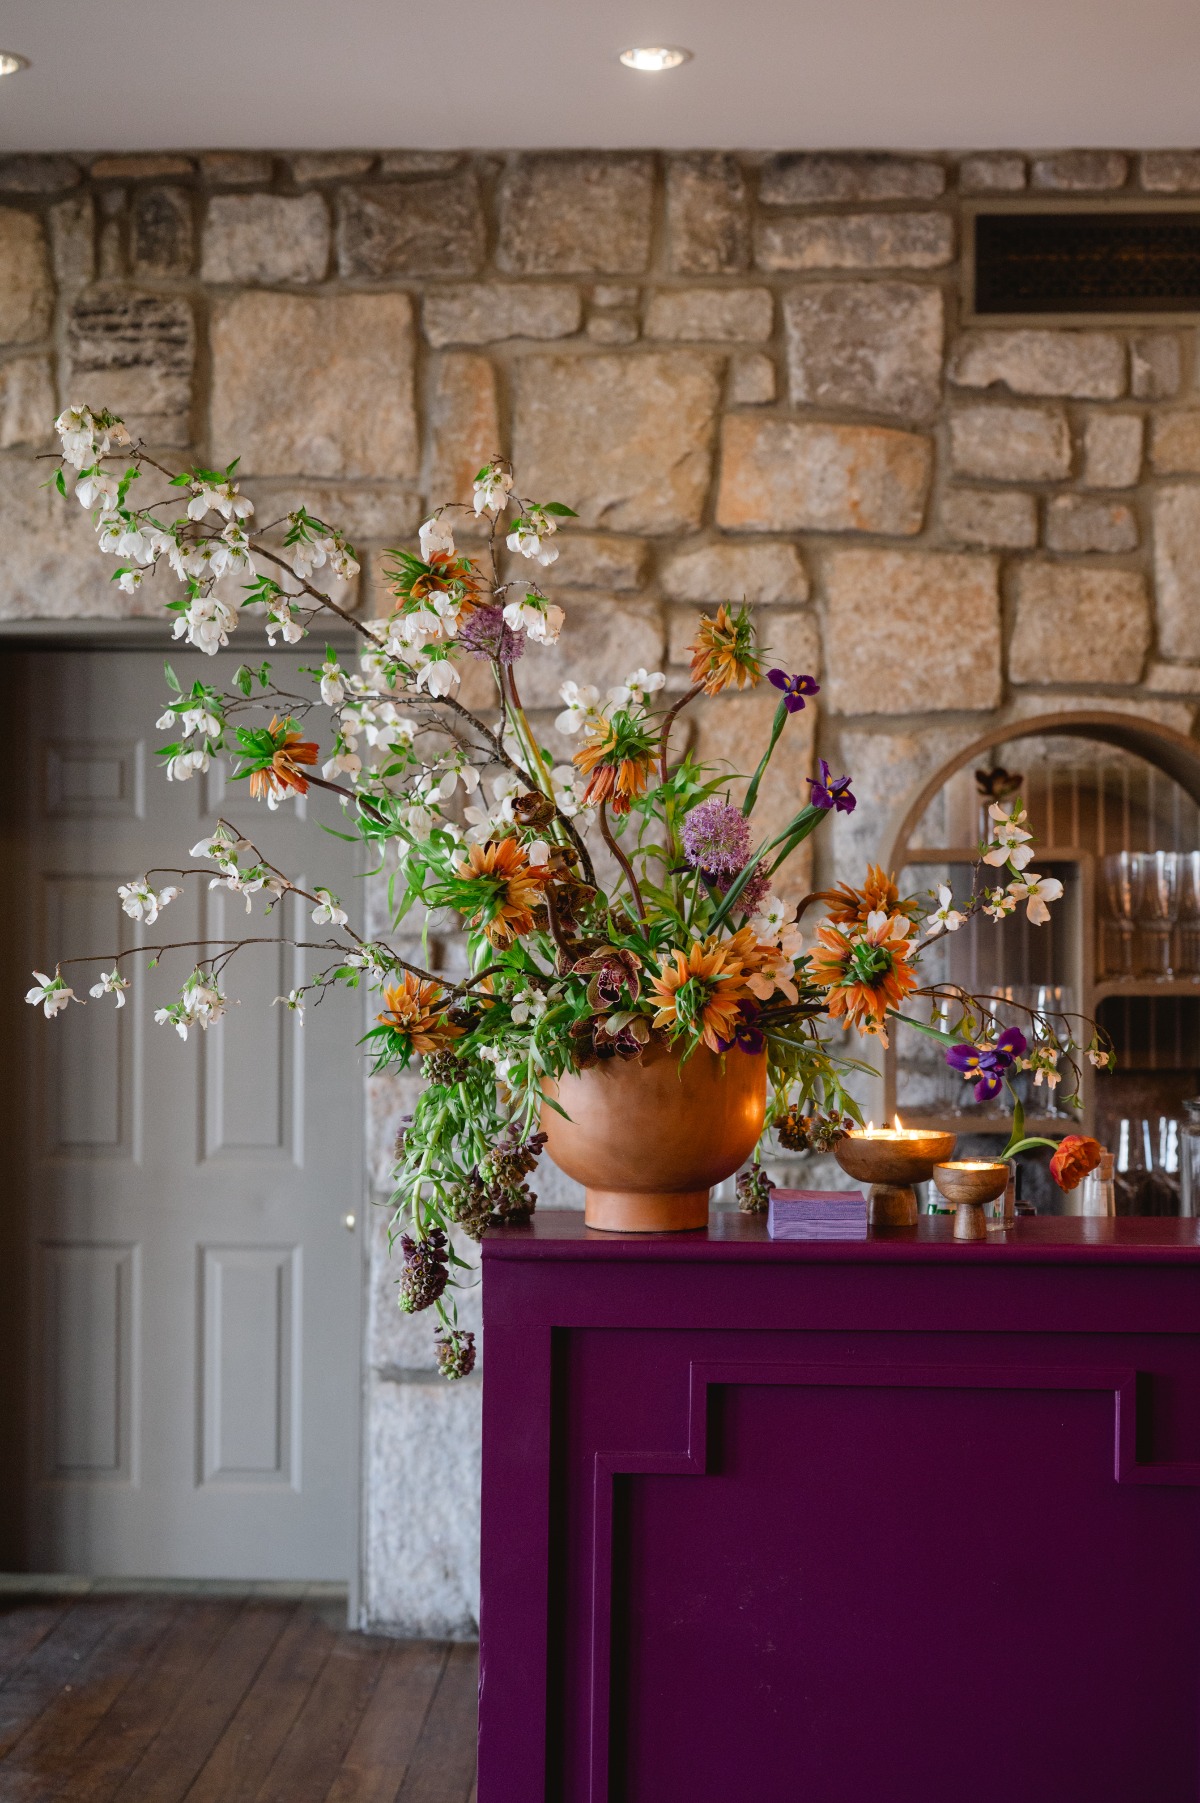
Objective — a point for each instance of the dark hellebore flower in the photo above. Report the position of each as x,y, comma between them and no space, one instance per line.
746,1031
796,689
988,1063
832,793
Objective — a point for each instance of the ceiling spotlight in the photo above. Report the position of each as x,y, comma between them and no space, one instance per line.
655,57
10,62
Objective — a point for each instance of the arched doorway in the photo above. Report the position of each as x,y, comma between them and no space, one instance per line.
1095,781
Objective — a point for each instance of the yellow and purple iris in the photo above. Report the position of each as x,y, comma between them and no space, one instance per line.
832,791
986,1065
796,689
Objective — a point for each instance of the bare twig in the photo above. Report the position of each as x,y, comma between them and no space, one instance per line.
623,861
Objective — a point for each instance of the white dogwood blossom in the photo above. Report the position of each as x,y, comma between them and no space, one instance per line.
582,707
50,993
200,1004
328,911
1036,891
183,765
1011,844
111,983
436,538
207,624
528,534
141,901
96,488
946,914
542,620
492,487
636,689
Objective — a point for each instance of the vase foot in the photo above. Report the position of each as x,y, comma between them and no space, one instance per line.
646,1211
893,1205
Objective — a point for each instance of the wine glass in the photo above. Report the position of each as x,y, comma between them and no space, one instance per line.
1123,883
1189,913
1158,911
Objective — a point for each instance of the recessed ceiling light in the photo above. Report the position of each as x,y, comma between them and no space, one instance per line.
10,62
655,57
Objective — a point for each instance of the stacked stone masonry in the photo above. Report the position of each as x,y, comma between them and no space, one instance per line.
750,375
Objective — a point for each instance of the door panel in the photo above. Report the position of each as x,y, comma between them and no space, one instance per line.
179,1317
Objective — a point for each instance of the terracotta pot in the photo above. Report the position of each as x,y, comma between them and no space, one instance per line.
649,1138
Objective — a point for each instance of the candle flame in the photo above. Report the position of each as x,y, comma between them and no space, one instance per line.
870,1127
897,1123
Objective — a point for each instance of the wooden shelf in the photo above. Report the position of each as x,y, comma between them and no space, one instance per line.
1146,986
960,854
1045,1125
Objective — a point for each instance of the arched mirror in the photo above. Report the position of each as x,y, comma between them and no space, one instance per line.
1118,947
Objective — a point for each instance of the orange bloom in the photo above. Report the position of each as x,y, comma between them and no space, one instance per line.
866,970
612,775
284,771
514,889
879,894
715,970
1076,1156
448,573
416,1010
723,651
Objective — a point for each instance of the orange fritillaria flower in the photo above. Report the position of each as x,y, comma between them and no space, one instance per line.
723,651
415,1009
449,573
516,890
284,772
612,777
879,894
865,970
714,967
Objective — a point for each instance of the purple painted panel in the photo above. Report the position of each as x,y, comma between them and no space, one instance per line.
874,1541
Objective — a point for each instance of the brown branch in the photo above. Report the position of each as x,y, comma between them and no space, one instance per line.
668,723
623,861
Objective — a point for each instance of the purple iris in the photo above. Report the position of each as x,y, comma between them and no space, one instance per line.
796,689
832,792
746,1031
988,1063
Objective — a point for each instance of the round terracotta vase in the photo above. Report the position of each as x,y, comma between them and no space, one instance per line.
648,1138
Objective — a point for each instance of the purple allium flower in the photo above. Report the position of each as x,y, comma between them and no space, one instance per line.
987,1063
755,888
747,1034
832,793
485,633
796,689
716,838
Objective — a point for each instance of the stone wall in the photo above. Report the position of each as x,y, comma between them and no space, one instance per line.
749,376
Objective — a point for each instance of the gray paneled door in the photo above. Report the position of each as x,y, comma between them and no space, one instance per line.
180,1303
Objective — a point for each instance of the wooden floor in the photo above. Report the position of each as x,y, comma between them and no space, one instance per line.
156,1697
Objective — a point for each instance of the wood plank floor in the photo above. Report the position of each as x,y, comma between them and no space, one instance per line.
156,1697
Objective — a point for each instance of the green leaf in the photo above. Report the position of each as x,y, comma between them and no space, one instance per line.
60,483
244,679
172,679
566,513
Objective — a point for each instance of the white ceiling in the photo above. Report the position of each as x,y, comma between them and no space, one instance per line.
157,74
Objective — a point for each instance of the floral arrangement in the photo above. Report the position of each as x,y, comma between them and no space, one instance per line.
623,898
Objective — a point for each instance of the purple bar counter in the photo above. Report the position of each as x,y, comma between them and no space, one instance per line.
888,1521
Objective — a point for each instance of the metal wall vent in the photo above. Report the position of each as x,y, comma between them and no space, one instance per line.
1036,263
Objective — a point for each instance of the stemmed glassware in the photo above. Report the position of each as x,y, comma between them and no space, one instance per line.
1159,910
1123,884
1189,913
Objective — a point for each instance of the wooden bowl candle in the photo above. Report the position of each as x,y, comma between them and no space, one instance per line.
971,1183
891,1160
